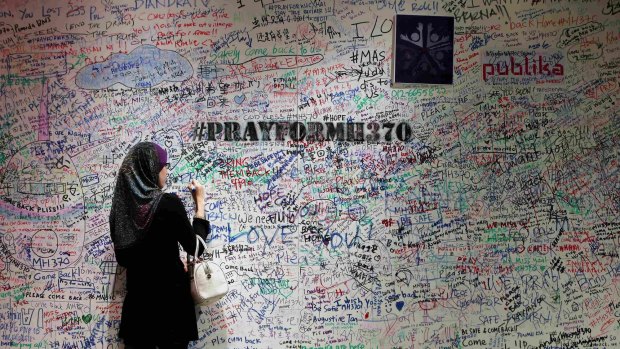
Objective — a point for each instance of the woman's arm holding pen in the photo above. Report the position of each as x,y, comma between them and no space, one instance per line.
199,226
198,194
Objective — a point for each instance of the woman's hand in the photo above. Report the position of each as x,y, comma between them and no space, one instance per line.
198,194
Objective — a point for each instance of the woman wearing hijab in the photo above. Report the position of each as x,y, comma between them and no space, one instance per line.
146,227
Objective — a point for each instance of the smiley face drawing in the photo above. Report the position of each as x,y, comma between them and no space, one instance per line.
41,200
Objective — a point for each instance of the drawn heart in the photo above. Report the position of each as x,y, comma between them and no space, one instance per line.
168,143
326,240
87,318
239,99
400,305
288,291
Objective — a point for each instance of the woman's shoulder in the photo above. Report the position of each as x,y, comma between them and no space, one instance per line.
170,196
169,200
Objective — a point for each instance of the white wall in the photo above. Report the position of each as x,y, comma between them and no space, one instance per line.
493,225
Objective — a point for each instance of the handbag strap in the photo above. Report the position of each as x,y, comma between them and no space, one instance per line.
199,240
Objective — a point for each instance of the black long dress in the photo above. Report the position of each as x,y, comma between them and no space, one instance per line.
158,307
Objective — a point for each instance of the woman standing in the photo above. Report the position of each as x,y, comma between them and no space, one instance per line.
146,227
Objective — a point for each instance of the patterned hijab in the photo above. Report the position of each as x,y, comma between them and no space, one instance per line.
136,194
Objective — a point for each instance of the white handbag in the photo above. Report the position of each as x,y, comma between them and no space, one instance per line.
208,283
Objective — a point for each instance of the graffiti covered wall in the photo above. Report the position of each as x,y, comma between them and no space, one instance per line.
346,213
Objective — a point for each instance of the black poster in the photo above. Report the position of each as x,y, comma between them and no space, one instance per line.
423,50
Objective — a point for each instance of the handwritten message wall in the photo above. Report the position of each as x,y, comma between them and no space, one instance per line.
346,213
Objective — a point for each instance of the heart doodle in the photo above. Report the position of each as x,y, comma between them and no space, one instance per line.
87,318
239,99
